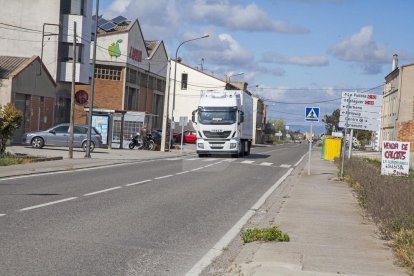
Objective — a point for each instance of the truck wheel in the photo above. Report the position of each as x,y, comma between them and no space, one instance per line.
201,155
249,144
242,149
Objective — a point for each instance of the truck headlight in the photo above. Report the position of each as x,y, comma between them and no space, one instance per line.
233,145
200,145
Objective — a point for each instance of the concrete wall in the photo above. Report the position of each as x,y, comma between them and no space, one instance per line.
32,15
5,91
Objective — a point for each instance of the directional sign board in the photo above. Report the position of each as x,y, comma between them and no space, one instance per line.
360,111
312,114
183,120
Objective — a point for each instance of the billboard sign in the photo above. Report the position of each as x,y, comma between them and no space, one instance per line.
395,158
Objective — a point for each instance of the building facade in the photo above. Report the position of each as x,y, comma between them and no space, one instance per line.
397,115
47,32
129,76
31,92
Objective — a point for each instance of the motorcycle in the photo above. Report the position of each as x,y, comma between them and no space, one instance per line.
137,141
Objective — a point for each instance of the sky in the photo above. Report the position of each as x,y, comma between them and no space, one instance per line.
293,53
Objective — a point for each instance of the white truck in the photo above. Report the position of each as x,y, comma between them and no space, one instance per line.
224,123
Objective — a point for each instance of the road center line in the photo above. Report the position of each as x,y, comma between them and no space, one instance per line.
165,176
1,215
47,204
182,172
102,191
196,169
137,183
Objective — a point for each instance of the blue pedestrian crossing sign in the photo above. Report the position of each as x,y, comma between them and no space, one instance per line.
312,114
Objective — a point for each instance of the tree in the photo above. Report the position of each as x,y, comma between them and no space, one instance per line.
10,119
331,121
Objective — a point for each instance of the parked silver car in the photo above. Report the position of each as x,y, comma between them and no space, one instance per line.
59,136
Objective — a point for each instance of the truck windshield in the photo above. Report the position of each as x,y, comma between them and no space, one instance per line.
217,117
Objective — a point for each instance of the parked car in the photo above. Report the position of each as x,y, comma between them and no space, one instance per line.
190,136
59,136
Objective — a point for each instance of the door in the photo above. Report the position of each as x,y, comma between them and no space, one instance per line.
79,135
58,136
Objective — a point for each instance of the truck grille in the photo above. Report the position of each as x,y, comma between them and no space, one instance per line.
224,134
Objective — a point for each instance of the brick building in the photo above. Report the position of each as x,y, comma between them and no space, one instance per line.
130,74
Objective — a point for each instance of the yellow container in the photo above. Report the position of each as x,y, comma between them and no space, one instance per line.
332,148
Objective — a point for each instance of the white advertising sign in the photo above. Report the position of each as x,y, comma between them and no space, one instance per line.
395,158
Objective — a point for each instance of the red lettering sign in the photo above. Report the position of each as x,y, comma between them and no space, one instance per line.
369,102
135,54
372,97
395,155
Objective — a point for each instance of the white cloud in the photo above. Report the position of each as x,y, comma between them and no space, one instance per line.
221,49
271,57
238,17
361,47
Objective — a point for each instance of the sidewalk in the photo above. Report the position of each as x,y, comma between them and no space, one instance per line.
328,233
99,157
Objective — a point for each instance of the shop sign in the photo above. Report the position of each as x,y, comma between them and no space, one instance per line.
395,158
135,54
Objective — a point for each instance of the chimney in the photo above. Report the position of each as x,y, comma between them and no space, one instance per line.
394,62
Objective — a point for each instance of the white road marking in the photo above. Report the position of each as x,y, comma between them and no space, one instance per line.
103,191
165,176
77,170
300,160
196,169
209,159
174,158
1,215
285,166
192,159
219,247
137,183
247,162
266,164
47,204
229,160
182,172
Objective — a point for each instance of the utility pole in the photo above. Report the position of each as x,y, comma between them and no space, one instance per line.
72,94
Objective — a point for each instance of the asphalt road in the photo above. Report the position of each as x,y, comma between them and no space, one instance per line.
150,218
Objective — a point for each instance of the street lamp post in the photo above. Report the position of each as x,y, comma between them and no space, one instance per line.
88,143
175,68
175,75
228,78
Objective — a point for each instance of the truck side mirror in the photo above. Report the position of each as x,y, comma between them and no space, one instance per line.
193,116
241,117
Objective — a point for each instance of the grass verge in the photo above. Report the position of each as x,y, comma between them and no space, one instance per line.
264,234
389,200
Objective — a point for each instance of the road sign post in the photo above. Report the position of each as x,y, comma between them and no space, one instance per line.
311,115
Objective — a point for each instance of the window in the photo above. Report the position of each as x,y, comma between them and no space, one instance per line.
80,130
184,80
132,76
108,72
131,98
61,129
73,7
67,52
